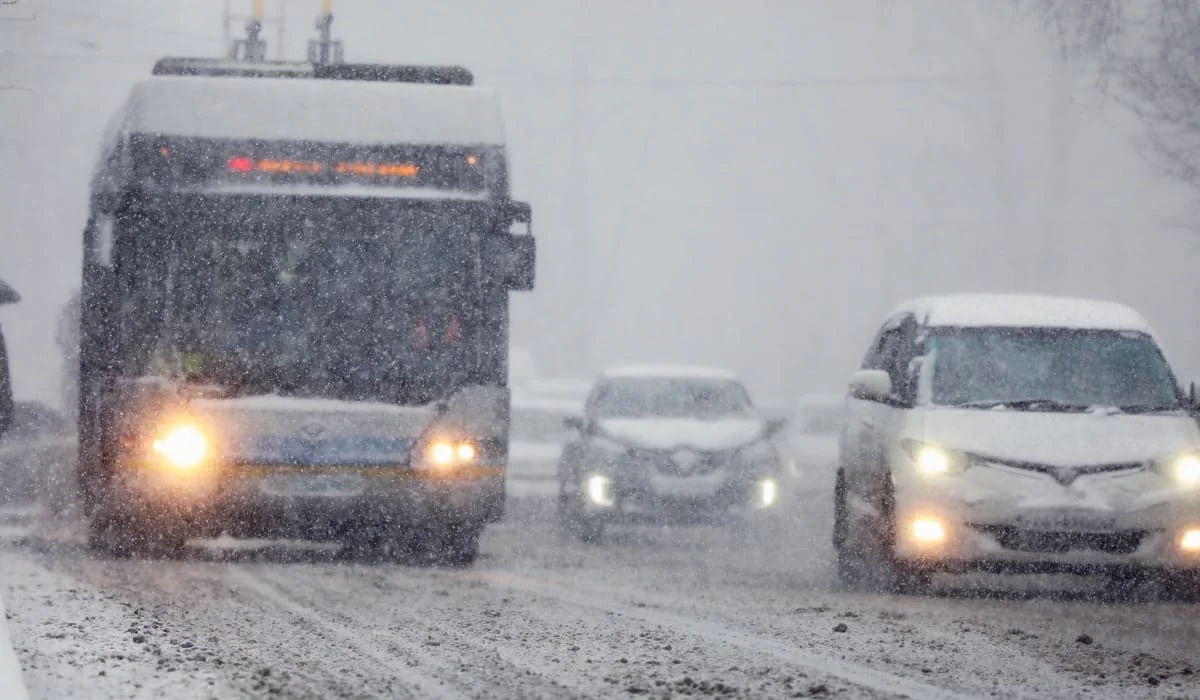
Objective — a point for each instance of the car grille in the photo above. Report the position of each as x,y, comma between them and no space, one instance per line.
1019,540
684,462
1063,475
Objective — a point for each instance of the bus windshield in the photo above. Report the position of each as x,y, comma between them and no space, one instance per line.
345,300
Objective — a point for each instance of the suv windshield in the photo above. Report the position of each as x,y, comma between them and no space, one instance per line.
1046,369
672,398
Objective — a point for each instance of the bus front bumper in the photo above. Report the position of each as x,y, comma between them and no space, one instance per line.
314,502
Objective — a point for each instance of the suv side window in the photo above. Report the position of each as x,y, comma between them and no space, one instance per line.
891,354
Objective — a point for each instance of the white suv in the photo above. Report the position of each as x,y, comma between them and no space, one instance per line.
1016,434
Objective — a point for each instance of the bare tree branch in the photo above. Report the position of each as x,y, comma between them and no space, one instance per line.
1150,51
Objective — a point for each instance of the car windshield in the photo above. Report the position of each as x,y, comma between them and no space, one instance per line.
1046,369
651,397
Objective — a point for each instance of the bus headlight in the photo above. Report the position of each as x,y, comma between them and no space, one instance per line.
184,446
445,453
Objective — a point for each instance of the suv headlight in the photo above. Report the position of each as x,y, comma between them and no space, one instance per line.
935,460
1183,469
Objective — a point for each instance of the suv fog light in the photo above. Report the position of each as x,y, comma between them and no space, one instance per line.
927,530
599,490
768,493
1190,541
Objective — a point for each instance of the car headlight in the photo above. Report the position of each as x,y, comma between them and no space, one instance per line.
934,460
1183,469
599,490
184,446
768,493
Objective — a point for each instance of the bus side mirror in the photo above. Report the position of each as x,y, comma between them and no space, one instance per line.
512,260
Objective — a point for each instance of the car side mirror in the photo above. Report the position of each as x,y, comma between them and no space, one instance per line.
573,423
871,385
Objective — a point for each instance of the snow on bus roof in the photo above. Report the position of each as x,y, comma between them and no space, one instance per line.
331,111
668,372
1023,310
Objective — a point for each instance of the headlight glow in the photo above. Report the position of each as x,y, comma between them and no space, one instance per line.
928,530
934,460
599,490
1186,470
1190,541
768,493
441,453
183,446
445,453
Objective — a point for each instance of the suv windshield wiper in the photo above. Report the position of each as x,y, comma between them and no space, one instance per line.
1026,405
1146,408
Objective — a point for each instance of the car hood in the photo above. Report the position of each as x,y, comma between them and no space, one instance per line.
1063,439
672,433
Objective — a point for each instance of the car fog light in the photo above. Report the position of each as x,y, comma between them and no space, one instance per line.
1190,541
599,490
768,493
184,446
927,530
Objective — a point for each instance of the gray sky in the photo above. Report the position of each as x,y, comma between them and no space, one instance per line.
748,183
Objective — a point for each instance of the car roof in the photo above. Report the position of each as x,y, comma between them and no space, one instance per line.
668,372
1022,310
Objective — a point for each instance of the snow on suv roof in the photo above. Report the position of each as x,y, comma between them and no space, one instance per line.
669,371
332,111
1025,310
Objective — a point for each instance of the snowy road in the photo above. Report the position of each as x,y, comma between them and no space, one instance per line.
671,612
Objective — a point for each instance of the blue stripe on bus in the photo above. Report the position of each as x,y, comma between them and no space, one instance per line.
337,451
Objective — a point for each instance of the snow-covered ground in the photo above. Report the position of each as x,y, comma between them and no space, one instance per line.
664,612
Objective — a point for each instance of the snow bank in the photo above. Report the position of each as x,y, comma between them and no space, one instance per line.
12,685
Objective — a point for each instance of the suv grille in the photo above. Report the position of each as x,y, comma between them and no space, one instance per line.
1016,539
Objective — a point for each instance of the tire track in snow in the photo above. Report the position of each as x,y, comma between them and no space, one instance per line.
852,673
511,659
425,686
